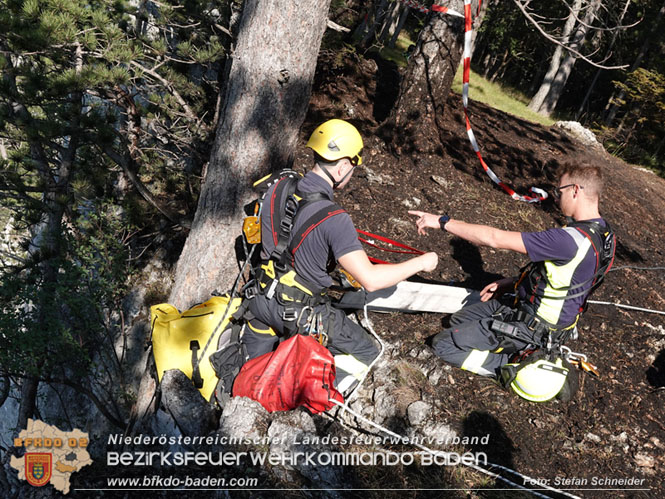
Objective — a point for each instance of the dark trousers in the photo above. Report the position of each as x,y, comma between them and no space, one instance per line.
351,346
469,341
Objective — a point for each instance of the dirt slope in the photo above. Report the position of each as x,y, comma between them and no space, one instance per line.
615,427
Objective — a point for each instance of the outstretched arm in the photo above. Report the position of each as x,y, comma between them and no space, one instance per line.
481,235
374,277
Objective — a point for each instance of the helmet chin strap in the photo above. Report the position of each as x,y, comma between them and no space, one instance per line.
336,183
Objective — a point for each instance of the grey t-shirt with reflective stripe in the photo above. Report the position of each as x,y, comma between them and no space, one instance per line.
331,239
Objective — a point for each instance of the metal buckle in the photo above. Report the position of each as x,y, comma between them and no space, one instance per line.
291,207
286,225
289,314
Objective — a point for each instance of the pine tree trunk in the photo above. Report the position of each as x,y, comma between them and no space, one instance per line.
400,24
545,87
566,67
265,100
390,21
378,15
608,53
414,121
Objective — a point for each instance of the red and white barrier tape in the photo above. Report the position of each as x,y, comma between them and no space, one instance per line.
539,194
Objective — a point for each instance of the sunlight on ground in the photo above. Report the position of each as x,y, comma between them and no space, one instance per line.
499,97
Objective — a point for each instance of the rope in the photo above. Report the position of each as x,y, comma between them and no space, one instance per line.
630,307
485,471
538,194
636,267
368,323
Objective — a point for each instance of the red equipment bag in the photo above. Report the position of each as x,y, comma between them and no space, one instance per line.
299,372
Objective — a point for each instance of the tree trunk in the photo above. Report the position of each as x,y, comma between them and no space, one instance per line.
378,15
265,100
400,25
390,21
577,39
608,53
426,84
538,99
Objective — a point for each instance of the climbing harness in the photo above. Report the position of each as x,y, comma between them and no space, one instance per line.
603,243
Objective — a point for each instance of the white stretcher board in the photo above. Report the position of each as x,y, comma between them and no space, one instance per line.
409,296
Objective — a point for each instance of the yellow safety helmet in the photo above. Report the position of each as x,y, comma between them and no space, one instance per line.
337,139
537,381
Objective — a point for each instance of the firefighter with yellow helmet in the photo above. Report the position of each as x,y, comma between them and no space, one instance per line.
303,234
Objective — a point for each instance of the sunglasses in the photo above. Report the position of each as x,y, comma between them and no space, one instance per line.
557,190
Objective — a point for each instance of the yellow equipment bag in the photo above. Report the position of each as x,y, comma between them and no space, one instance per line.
179,339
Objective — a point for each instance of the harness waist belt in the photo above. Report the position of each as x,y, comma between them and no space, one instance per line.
288,287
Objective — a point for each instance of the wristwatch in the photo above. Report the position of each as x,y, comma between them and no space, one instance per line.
443,220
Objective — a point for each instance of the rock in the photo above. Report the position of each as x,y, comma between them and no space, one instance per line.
592,438
578,132
294,432
644,460
440,180
385,405
244,418
378,178
418,412
621,437
439,432
191,412
411,203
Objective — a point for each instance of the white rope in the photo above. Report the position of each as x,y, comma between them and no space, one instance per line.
630,307
473,466
369,368
345,408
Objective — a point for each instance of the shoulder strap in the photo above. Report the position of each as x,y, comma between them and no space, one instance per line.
320,216
286,203
603,242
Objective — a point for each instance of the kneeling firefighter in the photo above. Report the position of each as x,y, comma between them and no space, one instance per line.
523,345
303,234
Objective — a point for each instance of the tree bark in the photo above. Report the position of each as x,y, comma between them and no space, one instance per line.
400,24
608,52
538,99
390,21
265,100
378,16
415,120
566,67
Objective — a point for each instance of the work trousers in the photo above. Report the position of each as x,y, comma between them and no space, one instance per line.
351,346
469,341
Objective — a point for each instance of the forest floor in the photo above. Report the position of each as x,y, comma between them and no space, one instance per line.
614,428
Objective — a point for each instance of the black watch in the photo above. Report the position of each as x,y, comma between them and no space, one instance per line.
443,220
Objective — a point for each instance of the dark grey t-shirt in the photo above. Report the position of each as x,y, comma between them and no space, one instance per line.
333,238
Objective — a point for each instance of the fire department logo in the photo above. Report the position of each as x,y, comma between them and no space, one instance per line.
51,455
38,468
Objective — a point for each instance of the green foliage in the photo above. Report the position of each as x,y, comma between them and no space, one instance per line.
51,328
94,93
499,97
640,136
